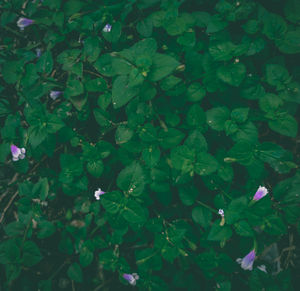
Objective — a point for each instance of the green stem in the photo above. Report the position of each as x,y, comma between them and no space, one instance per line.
255,244
227,195
208,207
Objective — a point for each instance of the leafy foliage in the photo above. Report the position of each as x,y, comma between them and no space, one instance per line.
141,119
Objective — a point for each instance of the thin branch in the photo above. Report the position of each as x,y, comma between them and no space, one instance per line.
8,205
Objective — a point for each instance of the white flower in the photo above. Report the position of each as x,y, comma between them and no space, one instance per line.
107,28
131,278
98,193
262,268
17,153
221,212
260,193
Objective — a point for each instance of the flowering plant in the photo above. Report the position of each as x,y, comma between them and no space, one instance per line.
179,111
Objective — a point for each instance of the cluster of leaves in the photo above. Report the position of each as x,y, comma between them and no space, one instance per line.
182,108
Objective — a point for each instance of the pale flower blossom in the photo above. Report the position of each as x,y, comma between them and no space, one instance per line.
131,278
260,193
17,153
98,193
247,262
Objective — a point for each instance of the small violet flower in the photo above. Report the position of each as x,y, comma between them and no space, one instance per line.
55,94
131,278
247,261
98,193
23,22
260,193
38,52
17,153
221,212
107,28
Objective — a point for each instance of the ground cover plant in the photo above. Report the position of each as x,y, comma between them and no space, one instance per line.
149,145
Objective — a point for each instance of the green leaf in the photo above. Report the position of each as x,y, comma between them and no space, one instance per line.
183,158
202,216
75,273
290,44
175,26
145,27
95,85
246,132
14,228
71,167
54,123
121,93
132,179
240,115
46,229
74,88
31,254
115,33
133,212
151,155
123,134
148,133
205,164
230,127
274,225
270,103
110,66
243,228
102,117
163,65
41,189
196,116
95,168
236,209
45,63
207,260
232,74
274,26
188,194
277,76
170,138
91,48
222,51
141,52
242,152
85,257
285,124
216,117
219,233
195,92
148,259
112,201
4,151
11,71
197,141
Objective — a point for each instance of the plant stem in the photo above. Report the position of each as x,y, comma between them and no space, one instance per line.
206,206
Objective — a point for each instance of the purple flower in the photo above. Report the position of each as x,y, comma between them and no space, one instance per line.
107,28
247,262
131,278
17,153
221,212
23,22
98,193
55,94
38,52
260,193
